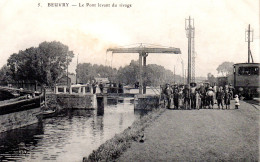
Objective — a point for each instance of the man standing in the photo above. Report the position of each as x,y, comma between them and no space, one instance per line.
101,87
202,92
210,98
193,95
186,95
168,94
220,97
94,86
176,98
231,91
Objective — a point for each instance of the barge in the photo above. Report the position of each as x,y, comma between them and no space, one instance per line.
20,112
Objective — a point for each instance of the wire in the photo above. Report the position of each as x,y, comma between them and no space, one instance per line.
112,60
143,45
106,59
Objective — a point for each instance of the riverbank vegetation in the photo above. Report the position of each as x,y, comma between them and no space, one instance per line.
155,74
114,147
45,64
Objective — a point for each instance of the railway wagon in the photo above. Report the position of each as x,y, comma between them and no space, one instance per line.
225,80
246,79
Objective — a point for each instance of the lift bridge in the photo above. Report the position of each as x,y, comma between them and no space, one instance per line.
143,53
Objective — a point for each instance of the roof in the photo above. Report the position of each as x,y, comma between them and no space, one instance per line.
104,80
247,64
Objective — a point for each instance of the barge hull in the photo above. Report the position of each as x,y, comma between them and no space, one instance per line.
18,119
19,113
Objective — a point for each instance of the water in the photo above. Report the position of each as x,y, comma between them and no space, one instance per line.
68,137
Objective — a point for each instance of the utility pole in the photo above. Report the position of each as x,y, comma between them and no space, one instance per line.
140,74
144,72
185,75
183,78
77,69
193,57
174,75
67,69
189,27
248,39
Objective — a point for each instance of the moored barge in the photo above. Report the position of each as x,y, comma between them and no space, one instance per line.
19,112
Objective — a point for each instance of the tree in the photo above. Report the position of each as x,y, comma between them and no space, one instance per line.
226,68
5,75
155,74
129,73
45,64
87,72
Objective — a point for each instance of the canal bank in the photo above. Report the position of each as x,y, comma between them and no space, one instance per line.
71,135
116,146
200,135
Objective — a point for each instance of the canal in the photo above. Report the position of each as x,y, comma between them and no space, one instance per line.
69,136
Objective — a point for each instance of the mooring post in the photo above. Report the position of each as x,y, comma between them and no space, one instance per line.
83,90
140,74
144,69
91,89
56,89
70,90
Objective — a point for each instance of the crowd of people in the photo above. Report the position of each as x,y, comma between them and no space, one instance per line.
195,96
110,87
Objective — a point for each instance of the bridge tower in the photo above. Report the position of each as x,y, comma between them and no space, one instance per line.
190,33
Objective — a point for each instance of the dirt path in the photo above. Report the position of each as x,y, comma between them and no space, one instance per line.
200,135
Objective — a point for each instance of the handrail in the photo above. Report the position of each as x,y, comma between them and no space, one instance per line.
154,88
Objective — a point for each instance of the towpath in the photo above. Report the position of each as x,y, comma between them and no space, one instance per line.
200,135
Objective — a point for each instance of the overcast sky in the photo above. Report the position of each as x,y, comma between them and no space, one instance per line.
219,30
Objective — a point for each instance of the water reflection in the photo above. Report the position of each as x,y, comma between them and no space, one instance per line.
17,143
69,136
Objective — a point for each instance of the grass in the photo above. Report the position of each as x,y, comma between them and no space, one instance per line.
200,135
114,147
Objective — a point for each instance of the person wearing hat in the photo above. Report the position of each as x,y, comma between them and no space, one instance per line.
227,98
101,87
186,95
176,98
202,91
210,98
168,93
94,86
231,90
193,95
220,97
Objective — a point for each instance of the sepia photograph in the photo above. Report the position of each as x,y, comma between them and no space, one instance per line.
129,80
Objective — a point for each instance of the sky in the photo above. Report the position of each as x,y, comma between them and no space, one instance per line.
89,31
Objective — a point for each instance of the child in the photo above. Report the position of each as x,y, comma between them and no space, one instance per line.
198,100
236,102
227,99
